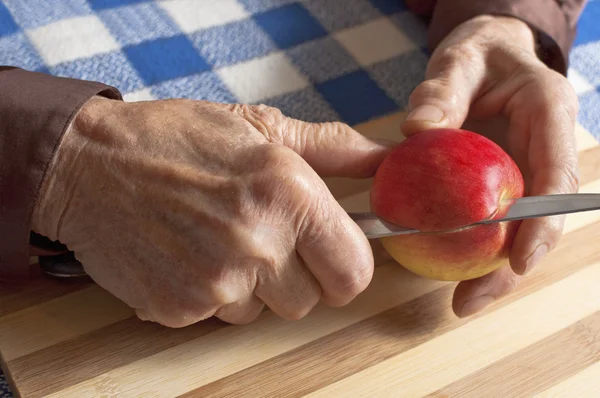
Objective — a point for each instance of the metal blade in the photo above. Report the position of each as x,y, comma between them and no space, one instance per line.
548,205
375,227
520,208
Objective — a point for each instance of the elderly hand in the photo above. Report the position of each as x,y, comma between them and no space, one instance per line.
189,209
488,67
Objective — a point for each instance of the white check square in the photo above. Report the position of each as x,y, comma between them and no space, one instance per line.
72,39
262,78
140,95
375,41
579,83
194,15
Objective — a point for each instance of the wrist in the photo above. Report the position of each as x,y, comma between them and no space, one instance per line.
58,185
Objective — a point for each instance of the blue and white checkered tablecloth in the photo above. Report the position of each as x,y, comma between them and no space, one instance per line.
317,60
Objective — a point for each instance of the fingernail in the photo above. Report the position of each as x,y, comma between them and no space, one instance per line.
475,305
537,255
426,113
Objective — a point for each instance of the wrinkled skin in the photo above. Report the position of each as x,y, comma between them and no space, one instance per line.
189,209
485,69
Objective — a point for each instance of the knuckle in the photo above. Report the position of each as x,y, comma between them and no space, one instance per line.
428,89
457,54
298,307
280,178
569,178
353,282
263,118
556,91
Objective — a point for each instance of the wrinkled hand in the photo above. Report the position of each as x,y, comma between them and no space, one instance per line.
485,68
189,209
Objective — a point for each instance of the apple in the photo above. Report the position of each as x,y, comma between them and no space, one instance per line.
439,181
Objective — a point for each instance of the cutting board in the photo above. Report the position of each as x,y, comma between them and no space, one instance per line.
399,338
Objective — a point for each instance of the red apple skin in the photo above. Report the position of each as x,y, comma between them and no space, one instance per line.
439,181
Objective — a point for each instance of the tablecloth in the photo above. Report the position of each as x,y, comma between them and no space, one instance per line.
317,60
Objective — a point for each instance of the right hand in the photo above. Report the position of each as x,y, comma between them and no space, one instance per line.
188,209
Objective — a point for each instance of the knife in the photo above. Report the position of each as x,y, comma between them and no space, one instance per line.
67,266
519,209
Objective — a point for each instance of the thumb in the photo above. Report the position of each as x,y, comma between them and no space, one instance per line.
332,149
444,99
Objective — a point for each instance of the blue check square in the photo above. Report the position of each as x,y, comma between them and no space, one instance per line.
111,68
389,7
202,86
290,25
136,23
254,6
30,14
342,14
585,60
307,105
104,4
333,59
165,59
16,50
588,27
356,97
7,23
400,75
230,44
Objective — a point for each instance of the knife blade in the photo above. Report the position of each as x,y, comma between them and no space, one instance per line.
518,209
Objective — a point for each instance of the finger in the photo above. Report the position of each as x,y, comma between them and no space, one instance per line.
335,250
550,106
474,295
288,289
241,312
332,149
453,78
174,317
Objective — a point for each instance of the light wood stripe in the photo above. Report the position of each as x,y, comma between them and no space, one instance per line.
585,139
539,366
92,307
577,220
307,365
585,384
118,345
86,343
233,348
33,360
372,373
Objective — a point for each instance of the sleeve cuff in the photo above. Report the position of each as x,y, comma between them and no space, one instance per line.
35,111
554,34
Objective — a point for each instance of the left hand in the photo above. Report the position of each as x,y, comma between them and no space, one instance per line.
487,67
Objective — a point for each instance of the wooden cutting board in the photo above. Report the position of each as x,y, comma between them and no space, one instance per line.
399,338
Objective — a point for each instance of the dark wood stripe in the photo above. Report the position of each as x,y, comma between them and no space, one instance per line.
54,368
386,334
41,288
367,343
536,368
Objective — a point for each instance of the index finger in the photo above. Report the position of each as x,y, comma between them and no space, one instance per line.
549,106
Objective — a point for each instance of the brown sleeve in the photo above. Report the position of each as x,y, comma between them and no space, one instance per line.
554,21
35,110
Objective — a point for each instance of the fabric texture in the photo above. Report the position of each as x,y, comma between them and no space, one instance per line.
317,60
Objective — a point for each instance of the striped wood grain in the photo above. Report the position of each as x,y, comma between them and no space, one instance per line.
399,338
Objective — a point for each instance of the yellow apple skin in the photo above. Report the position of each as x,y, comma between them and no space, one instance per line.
454,256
